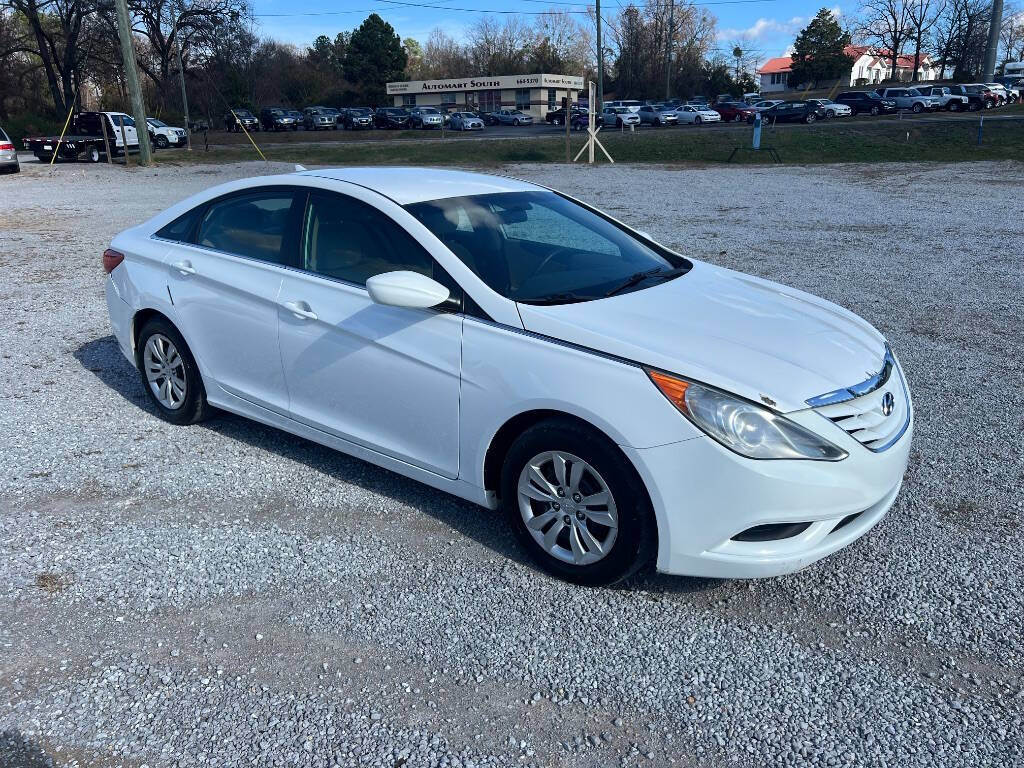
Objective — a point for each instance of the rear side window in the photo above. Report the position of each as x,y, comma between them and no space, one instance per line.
349,240
253,225
182,228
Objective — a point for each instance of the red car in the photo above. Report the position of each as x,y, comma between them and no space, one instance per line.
733,111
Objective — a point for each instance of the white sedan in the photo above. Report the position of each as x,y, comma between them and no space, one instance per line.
695,114
831,108
516,348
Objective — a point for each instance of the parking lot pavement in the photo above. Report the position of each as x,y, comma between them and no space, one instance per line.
228,594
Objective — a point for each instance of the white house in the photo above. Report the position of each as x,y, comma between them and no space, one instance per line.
870,65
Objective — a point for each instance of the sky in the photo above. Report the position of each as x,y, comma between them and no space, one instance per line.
768,25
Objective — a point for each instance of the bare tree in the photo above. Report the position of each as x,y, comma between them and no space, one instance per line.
923,16
887,24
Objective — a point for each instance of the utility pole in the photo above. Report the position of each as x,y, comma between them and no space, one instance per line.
600,62
993,41
668,49
124,29
184,94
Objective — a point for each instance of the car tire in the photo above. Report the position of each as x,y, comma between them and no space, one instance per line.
954,106
597,466
738,119
697,120
92,154
556,121
917,109
875,111
161,356
161,142
829,114
811,117
515,121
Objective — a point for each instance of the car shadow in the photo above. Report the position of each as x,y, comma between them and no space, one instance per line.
103,358
18,751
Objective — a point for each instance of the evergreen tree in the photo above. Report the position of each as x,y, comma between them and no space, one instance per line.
818,51
374,56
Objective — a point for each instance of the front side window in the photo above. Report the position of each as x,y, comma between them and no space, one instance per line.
252,225
348,240
540,247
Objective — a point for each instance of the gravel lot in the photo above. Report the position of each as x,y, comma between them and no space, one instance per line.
228,595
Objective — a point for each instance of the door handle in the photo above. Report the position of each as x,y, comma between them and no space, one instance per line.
185,267
300,309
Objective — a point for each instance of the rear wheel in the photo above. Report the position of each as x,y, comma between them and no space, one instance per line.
577,504
169,374
93,154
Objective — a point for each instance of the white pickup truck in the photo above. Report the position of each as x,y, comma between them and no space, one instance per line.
947,99
164,135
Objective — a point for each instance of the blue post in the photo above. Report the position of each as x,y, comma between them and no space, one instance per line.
981,127
757,130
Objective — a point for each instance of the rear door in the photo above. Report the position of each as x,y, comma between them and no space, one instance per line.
224,284
386,378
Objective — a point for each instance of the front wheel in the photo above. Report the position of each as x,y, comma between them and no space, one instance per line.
516,121
697,120
917,109
830,114
161,142
169,374
875,111
954,106
577,504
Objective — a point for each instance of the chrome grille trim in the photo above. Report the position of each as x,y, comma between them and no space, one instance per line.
857,409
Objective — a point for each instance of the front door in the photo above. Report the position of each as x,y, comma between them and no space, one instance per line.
225,287
386,378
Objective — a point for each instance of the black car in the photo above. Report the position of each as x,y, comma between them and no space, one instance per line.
357,118
277,119
793,112
236,118
489,118
391,117
866,103
557,116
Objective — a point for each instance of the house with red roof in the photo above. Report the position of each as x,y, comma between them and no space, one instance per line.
870,65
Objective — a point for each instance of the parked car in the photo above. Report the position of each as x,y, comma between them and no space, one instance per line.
163,135
489,118
761,106
277,119
318,119
751,98
357,118
425,117
8,154
794,112
631,104
391,118
978,96
466,121
866,103
236,119
1002,95
948,100
513,117
617,117
695,114
909,98
297,116
831,108
721,457
85,138
734,111
657,115
557,116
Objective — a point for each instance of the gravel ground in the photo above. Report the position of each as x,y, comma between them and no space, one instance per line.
230,595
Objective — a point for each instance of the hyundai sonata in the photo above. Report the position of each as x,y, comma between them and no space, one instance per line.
520,349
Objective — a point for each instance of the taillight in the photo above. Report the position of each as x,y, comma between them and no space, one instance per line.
111,259
6,145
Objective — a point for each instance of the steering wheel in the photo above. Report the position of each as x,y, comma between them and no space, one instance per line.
544,263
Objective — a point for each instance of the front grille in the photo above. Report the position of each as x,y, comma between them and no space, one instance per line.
875,412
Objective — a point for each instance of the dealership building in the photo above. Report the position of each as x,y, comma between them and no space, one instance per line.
533,94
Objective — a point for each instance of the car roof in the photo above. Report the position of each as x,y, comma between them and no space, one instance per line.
416,185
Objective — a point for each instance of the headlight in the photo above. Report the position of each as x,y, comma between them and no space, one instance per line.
742,426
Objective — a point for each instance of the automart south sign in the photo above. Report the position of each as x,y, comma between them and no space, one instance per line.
480,83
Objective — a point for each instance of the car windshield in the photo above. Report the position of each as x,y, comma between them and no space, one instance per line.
538,247
243,113
360,111
156,123
393,111
429,111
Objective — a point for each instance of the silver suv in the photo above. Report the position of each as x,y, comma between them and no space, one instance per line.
954,102
909,98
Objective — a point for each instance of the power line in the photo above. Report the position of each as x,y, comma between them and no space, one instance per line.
407,4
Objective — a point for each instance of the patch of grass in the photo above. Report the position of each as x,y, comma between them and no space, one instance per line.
52,583
854,141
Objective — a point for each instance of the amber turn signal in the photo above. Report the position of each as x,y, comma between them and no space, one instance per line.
671,387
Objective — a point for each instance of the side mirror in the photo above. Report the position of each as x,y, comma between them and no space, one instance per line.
406,289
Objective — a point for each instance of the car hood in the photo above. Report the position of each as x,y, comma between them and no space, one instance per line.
752,337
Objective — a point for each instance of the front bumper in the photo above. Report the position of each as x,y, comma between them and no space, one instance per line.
704,496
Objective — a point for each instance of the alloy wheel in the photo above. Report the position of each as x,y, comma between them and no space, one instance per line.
568,508
165,371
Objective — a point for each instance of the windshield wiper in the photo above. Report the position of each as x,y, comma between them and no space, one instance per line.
639,277
558,298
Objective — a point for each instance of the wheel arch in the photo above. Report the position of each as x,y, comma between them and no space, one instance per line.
502,440
143,316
